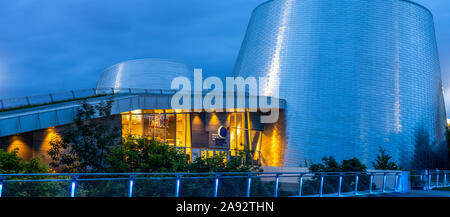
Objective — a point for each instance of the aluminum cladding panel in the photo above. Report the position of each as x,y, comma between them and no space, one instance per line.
356,75
144,73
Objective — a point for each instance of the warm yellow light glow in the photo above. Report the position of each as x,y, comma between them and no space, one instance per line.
258,147
51,135
214,120
196,120
125,125
24,148
249,121
272,148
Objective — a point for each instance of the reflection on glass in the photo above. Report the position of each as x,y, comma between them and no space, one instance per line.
160,125
175,129
125,125
237,132
136,125
148,128
181,135
170,129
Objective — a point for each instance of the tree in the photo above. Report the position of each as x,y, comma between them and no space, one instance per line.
329,165
383,161
84,147
11,163
140,154
218,163
353,165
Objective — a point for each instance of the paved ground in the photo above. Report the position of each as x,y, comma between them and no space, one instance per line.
416,193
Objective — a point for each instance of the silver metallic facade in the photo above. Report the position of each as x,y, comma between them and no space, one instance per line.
143,73
356,75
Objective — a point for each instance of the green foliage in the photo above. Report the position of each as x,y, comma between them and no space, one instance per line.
140,154
11,163
383,162
353,165
84,147
242,162
91,146
329,164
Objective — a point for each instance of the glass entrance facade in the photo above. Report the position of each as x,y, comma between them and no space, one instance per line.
195,134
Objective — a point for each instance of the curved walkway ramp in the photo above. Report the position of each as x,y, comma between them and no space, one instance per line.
26,114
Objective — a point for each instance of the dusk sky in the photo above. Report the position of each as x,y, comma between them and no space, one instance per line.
53,46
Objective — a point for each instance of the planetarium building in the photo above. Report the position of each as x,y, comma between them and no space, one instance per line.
356,75
351,76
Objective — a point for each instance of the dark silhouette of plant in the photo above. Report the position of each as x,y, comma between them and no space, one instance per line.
383,161
11,163
140,154
84,147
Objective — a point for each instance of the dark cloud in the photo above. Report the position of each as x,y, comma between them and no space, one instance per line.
49,46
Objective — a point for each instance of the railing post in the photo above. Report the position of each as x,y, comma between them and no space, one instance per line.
73,186
396,189
28,100
445,178
404,182
249,185
51,97
340,185
371,184
73,94
384,182
321,186
1,103
437,177
130,189
276,185
1,185
429,181
356,184
177,186
94,91
300,186
216,187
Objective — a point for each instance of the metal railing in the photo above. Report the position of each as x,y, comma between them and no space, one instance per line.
44,99
200,184
75,95
430,179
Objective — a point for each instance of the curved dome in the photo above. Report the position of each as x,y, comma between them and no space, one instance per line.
143,73
355,74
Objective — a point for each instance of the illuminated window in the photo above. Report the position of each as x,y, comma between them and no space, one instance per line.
173,129
136,125
170,125
125,125
160,126
148,127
